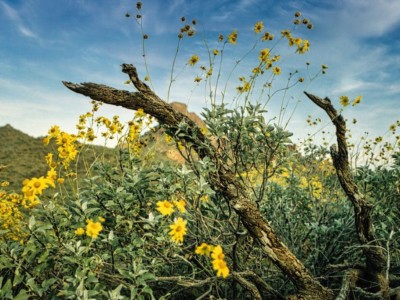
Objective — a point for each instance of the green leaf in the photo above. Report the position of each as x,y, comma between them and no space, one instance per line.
22,295
32,222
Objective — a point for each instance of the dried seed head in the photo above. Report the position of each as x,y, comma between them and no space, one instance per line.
145,36
297,14
139,5
183,19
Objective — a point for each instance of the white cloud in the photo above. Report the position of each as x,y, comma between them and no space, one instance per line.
10,12
371,17
27,32
14,16
349,85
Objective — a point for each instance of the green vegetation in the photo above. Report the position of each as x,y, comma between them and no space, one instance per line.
22,156
246,214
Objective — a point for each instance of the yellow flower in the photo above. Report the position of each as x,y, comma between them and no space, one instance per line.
46,140
101,219
51,175
93,228
178,230
258,27
217,253
286,33
232,38
215,52
357,100
221,267
276,70
165,207
264,55
219,263
140,113
204,198
79,231
5,183
304,47
297,41
60,180
54,131
204,249
193,60
344,100
35,185
267,36
180,204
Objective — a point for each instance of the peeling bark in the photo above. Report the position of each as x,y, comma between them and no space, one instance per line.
223,181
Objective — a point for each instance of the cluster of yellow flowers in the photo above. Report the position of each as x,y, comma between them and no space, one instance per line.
313,182
178,228
140,122
113,127
345,101
11,204
232,37
245,87
33,188
83,132
66,144
302,45
11,218
218,258
166,208
92,228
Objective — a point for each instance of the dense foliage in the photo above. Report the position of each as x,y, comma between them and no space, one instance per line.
137,227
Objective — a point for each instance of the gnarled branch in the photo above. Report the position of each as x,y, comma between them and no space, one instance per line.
373,251
223,180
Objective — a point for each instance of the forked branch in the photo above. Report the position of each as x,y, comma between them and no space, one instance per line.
223,180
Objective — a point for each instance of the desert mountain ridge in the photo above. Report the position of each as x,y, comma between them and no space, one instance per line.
22,156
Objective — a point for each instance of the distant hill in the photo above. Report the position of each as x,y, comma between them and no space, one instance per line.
22,156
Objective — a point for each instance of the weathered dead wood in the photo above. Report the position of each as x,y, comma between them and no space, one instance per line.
223,180
374,256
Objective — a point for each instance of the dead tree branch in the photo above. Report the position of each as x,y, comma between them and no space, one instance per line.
373,251
223,180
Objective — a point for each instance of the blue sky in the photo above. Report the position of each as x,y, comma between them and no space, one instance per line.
44,42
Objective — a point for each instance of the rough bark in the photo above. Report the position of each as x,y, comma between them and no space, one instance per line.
374,256
223,181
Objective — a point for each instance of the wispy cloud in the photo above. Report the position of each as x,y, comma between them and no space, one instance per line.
14,16
373,17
